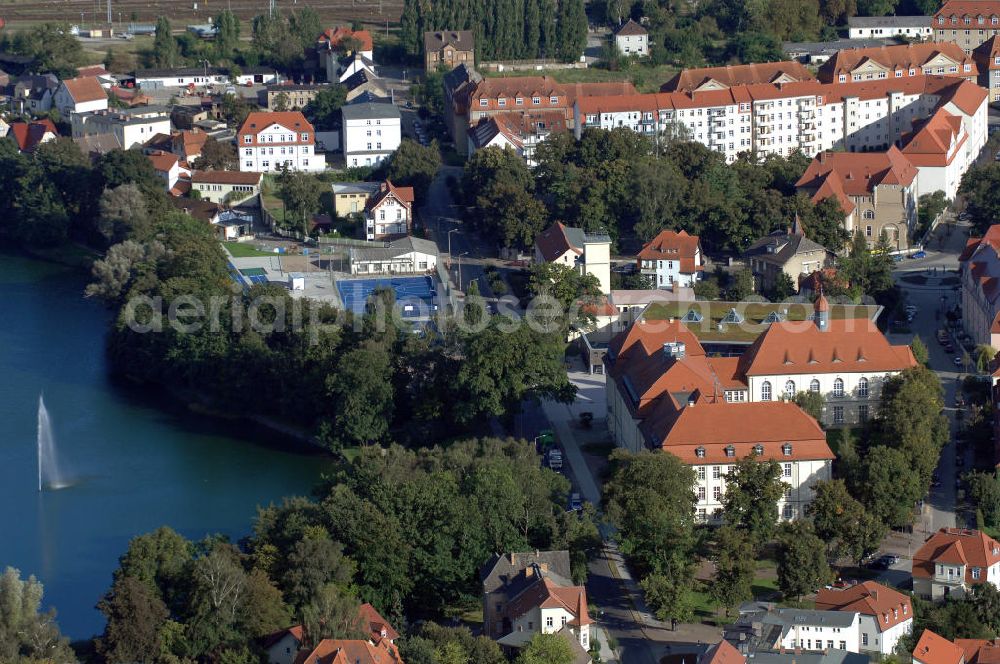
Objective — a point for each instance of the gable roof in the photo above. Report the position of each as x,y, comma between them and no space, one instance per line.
848,345
722,652
500,570
333,37
630,29
258,121
957,546
84,89
462,40
403,194
544,592
980,651
689,80
935,649
900,57
377,625
934,141
961,8
162,161
350,651
557,239
889,607
490,127
845,174
296,631
28,136
985,53
781,246
673,245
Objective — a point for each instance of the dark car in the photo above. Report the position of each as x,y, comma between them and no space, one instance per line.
575,503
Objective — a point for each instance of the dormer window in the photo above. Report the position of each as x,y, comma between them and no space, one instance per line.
786,449
501,102
700,452
730,451
905,611
758,450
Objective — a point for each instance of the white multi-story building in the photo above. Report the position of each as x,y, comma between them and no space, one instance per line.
80,95
954,560
372,132
671,259
389,212
781,118
807,629
979,271
267,141
131,126
938,148
588,253
886,615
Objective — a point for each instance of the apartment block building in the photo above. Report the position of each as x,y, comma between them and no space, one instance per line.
701,79
987,57
784,117
967,23
267,141
901,61
979,271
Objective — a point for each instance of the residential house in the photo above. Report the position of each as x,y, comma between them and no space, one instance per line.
935,649
588,253
350,65
671,258
980,651
987,57
33,93
725,653
226,186
783,118
979,273
876,191
967,23
787,252
347,41
457,84
937,146
722,78
296,95
378,627
188,144
886,615
449,49
232,225
952,560
131,127
364,82
204,211
267,141
167,167
529,593
371,132
352,197
663,392
407,255
762,626
496,132
80,95
103,76
29,135
902,61
283,646
883,27
350,651
632,39
389,212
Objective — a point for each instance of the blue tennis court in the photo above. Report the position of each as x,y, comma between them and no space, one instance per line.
413,294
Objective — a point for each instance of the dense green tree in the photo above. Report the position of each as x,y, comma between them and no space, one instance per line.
546,649
756,47
802,566
124,213
27,634
980,189
920,352
323,111
305,25
157,560
362,388
227,37
52,46
314,562
135,618
811,402
498,191
274,41
475,306
216,156
783,288
564,283
842,521
164,45
735,567
300,192
876,7
741,286
868,272
750,502
332,613
891,486
984,490
415,165
571,30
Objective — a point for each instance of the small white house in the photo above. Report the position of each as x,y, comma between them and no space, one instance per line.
131,126
672,258
389,212
408,255
80,95
282,647
632,39
372,132
885,27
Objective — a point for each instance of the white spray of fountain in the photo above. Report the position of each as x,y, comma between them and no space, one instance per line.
48,466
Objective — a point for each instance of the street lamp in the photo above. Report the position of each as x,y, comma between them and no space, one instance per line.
454,230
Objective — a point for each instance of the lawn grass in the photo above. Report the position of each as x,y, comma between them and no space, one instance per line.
242,250
754,314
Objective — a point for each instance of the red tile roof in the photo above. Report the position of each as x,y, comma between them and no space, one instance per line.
377,625
333,37
956,546
162,161
723,652
350,651
258,121
729,76
404,195
631,28
547,594
889,607
934,649
934,141
678,246
962,8
903,57
28,136
296,631
849,345
553,242
85,89
980,651
842,175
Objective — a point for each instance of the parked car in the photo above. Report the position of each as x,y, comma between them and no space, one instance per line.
555,459
919,254
575,504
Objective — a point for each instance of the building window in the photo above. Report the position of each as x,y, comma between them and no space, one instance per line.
790,389
814,385
864,639
838,414
863,413
789,512
838,388
786,470
863,388
868,231
730,451
700,452
765,391
715,472
701,472
975,572
716,493
248,139
786,449
701,493
519,101
549,622
758,450
536,100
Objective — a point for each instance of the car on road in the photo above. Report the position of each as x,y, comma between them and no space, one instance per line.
919,254
575,504
555,458
884,562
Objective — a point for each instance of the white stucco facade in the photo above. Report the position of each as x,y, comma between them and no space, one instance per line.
821,636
